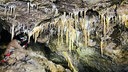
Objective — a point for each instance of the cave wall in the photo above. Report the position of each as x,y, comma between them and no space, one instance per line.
42,19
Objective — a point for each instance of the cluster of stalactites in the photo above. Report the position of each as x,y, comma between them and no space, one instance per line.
105,20
68,27
35,32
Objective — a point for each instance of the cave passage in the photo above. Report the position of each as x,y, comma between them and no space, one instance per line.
5,38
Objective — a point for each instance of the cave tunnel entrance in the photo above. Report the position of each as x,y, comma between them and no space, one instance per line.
5,38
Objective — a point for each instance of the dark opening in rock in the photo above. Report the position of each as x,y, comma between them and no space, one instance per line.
5,38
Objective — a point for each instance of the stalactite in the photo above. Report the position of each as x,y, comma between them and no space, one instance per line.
5,10
84,14
120,18
86,37
70,48
36,35
67,36
107,20
71,15
67,32
12,29
62,30
73,34
85,33
28,4
73,37
84,30
102,18
29,35
77,36
11,9
58,35
76,18
104,26
69,27
126,21
101,46
69,62
62,24
81,13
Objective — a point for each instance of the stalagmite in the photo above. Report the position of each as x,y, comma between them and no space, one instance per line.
69,62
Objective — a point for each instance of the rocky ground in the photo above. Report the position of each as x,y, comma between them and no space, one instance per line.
67,35
30,61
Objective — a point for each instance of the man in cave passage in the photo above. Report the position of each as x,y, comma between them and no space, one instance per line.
19,42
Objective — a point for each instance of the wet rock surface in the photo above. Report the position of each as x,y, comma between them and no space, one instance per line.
77,35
